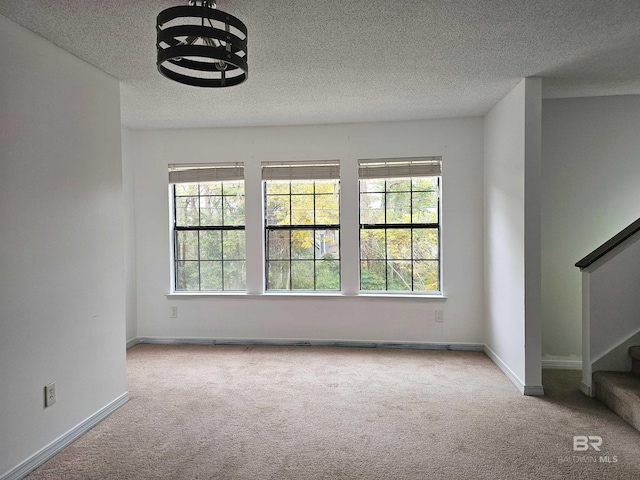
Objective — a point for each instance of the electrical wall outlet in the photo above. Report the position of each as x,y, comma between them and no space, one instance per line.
173,312
440,316
50,394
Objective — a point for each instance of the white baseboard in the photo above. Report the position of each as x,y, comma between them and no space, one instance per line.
561,364
505,369
586,389
134,341
475,347
532,390
54,447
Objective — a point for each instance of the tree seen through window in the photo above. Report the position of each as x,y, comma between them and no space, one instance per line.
399,234
209,236
302,222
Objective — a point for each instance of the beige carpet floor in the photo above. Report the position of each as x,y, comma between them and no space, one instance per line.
238,412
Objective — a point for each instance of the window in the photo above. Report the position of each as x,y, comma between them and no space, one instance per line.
398,215
400,224
302,225
208,227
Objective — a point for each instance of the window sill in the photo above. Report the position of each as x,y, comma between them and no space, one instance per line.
416,296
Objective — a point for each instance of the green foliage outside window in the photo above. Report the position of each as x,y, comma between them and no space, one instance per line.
399,234
300,258
209,236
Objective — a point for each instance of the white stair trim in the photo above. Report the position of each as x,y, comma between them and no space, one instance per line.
561,364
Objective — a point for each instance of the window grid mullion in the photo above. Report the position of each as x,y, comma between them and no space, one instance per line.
290,241
411,219
381,226
265,219
210,227
222,258
314,236
386,247
175,238
290,260
199,272
412,263
176,259
199,224
222,221
439,238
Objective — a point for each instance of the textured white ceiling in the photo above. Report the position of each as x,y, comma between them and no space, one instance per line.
334,61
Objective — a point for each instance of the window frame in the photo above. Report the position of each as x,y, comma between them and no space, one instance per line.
422,168
290,172
256,254
198,174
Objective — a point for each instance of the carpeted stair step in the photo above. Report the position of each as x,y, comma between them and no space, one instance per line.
634,353
620,391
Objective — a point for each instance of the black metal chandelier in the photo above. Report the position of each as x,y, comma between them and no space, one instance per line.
201,46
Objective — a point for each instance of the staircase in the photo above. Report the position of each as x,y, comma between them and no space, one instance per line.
610,312
620,391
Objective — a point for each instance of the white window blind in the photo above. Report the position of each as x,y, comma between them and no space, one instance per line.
311,170
400,167
203,172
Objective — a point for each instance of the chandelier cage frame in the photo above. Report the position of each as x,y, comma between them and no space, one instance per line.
194,50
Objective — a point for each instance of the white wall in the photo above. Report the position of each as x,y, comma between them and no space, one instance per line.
61,243
512,234
533,235
129,237
591,174
281,317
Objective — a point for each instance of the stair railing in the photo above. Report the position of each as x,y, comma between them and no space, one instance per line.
610,304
